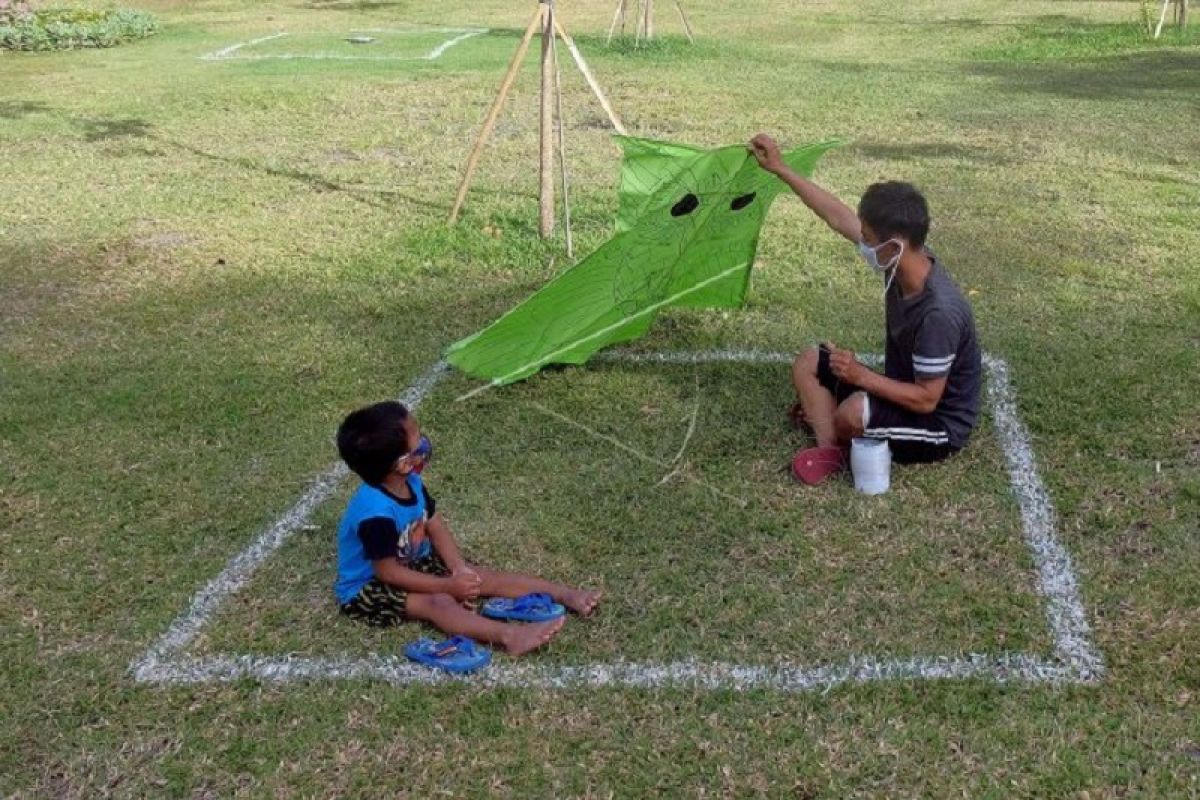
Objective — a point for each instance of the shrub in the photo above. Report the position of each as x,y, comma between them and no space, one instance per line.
69,28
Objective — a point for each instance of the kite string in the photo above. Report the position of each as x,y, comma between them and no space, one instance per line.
687,437
634,451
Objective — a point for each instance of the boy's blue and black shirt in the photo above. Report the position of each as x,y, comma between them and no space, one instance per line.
377,524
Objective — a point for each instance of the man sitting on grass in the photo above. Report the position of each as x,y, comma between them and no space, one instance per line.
926,402
397,559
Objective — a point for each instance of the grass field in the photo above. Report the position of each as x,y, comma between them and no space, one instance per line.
206,263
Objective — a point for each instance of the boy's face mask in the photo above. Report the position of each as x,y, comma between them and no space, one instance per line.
422,455
415,460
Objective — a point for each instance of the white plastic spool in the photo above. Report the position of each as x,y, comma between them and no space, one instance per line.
871,462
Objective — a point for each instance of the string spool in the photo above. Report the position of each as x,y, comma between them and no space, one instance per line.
871,463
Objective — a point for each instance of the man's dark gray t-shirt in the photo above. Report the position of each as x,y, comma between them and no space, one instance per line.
931,335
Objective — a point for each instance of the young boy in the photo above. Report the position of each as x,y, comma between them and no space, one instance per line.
397,559
926,402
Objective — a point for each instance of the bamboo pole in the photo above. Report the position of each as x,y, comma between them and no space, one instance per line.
546,130
562,146
649,8
687,27
618,15
587,76
1162,18
493,113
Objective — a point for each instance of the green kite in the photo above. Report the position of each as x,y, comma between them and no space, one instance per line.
687,231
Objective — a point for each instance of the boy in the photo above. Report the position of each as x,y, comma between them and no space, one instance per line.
926,402
397,559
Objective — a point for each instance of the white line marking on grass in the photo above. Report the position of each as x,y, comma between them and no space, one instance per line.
227,52
232,52
241,568
1076,660
1057,581
690,673
444,46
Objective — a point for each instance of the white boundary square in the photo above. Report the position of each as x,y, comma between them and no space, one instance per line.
1074,659
234,52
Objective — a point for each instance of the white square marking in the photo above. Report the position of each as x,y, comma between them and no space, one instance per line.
1074,659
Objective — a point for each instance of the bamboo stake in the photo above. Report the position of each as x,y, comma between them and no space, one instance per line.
546,131
1161,18
493,113
562,145
619,14
649,20
687,28
587,75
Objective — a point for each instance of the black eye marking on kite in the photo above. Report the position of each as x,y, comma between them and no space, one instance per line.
741,202
687,205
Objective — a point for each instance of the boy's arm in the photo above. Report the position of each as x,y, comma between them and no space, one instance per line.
443,542
392,571
834,212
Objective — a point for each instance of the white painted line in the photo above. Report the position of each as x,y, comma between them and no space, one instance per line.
444,46
241,568
233,52
1056,572
1077,659
680,674
227,52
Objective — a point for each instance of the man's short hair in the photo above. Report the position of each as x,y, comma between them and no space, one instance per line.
895,209
371,440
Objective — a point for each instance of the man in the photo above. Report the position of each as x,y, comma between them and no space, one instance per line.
926,402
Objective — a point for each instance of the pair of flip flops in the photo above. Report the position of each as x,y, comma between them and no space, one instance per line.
458,654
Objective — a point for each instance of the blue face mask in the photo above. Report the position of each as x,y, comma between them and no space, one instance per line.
421,455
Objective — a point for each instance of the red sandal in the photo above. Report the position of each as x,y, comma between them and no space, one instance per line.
813,465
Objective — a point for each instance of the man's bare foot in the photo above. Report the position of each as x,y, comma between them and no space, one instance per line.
583,601
523,638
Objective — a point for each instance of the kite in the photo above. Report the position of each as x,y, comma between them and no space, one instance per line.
687,230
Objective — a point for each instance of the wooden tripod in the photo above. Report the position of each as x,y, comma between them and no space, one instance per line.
546,20
644,16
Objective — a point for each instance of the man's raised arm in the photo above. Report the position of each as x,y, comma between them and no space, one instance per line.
833,211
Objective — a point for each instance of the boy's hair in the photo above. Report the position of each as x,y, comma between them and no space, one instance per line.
371,440
895,209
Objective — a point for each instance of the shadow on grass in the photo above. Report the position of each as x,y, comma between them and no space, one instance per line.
1137,75
914,151
355,5
111,129
17,109
103,130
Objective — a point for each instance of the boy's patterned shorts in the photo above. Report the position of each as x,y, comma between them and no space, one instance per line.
386,606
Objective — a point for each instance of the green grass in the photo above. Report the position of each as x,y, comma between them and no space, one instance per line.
207,264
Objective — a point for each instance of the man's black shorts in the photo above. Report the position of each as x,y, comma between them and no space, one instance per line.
913,438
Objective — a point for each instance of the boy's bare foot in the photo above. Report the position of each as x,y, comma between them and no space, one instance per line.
583,601
523,638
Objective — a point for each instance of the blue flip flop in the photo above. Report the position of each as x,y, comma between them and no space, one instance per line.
536,607
457,654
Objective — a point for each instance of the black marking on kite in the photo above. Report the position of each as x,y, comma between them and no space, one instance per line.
687,205
741,202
